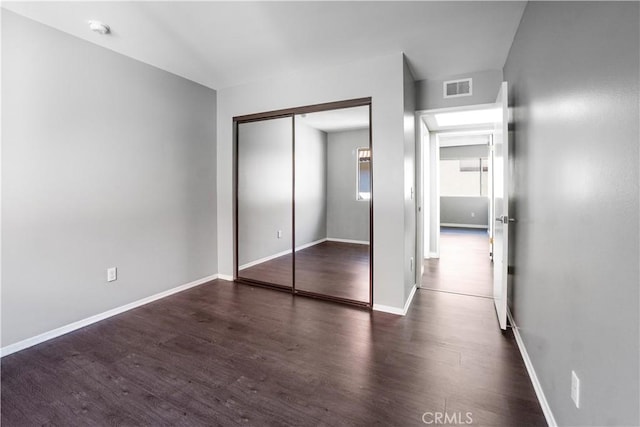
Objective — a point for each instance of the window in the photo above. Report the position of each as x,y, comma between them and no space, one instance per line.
464,177
364,174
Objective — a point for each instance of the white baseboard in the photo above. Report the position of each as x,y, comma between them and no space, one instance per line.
279,254
388,309
410,299
308,245
265,259
546,409
396,310
225,277
449,224
357,242
29,342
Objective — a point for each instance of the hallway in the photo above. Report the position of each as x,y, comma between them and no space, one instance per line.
464,265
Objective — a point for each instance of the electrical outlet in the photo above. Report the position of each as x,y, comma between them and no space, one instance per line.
575,389
411,263
279,234
112,274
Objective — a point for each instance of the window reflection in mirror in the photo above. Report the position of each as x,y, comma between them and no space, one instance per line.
364,174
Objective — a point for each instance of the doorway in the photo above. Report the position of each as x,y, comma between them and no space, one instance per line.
463,265
457,189
494,119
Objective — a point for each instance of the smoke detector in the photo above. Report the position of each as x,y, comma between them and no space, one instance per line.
99,27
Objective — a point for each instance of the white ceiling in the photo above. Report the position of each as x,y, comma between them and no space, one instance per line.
337,120
221,44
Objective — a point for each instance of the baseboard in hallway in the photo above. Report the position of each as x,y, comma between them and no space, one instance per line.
455,293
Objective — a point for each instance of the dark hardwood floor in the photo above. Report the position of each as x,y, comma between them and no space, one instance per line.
228,354
278,271
330,268
464,265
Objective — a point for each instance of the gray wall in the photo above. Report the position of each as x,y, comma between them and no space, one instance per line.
265,196
311,184
429,93
106,162
461,210
573,75
347,218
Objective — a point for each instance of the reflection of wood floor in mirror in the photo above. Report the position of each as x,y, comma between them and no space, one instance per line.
464,265
334,268
329,268
278,270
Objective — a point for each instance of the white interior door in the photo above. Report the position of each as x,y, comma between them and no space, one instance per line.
501,207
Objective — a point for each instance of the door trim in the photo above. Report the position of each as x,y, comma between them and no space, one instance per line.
286,112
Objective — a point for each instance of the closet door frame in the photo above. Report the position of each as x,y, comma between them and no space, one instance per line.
292,112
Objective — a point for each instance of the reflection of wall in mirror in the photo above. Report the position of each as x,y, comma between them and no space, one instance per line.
264,189
325,191
311,184
347,217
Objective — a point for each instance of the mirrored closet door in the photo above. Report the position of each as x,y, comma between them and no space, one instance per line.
265,201
303,201
332,203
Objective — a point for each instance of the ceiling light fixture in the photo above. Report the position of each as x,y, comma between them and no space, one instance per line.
471,117
99,27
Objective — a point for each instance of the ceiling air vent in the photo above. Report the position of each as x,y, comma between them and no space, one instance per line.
455,88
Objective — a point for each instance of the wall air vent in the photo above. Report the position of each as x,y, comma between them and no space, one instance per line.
456,88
